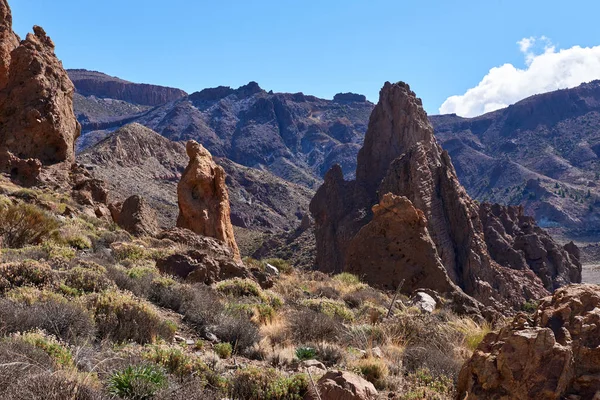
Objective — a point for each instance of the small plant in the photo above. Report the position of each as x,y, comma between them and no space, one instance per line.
174,360
347,279
50,345
333,308
260,384
306,353
530,306
241,288
283,266
87,279
138,382
223,350
26,273
22,224
374,370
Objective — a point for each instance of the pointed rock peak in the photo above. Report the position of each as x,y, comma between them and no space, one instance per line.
41,35
5,16
397,123
196,150
248,90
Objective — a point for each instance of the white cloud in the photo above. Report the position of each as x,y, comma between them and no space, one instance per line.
546,69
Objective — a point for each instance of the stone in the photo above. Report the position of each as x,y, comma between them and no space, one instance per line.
196,266
424,302
343,385
314,366
554,355
8,41
25,172
203,199
357,221
271,270
136,217
36,102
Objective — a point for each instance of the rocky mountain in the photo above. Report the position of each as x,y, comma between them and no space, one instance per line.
542,152
406,221
136,160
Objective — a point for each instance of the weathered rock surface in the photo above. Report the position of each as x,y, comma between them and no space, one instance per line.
342,385
8,41
203,198
401,156
36,104
135,216
516,241
555,355
208,261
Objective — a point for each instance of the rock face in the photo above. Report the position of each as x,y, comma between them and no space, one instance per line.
135,216
555,355
36,103
8,41
342,385
203,198
401,156
517,242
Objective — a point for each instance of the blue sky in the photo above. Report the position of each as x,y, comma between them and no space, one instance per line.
441,48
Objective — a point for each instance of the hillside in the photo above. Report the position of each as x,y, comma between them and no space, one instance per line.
541,152
136,160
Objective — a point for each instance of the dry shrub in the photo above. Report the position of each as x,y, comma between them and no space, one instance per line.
88,278
310,326
374,370
267,384
328,292
23,224
66,320
204,307
120,317
52,386
237,330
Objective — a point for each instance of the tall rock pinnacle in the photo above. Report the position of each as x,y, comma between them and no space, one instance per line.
431,214
36,104
203,198
8,41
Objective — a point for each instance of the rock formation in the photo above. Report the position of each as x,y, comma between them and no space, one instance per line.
516,241
554,355
401,156
36,103
343,385
135,216
8,41
203,198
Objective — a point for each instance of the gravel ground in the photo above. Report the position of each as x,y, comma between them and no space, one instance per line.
591,273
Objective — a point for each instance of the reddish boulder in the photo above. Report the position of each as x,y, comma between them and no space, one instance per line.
8,41
203,199
343,385
135,216
554,355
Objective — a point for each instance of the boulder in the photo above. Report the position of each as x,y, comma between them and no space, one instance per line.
553,355
203,199
343,385
135,216
25,172
195,266
424,302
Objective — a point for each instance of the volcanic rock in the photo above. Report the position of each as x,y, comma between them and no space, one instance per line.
203,198
135,216
401,156
36,104
8,41
25,172
516,241
554,355
343,385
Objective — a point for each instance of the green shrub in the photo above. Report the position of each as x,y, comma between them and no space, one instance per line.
347,278
49,344
174,360
530,306
23,224
138,382
121,317
268,384
223,350
241,288
333,308
306,353
26,273
87,279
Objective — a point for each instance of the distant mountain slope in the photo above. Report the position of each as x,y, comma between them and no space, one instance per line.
542,152
92,83
136,160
